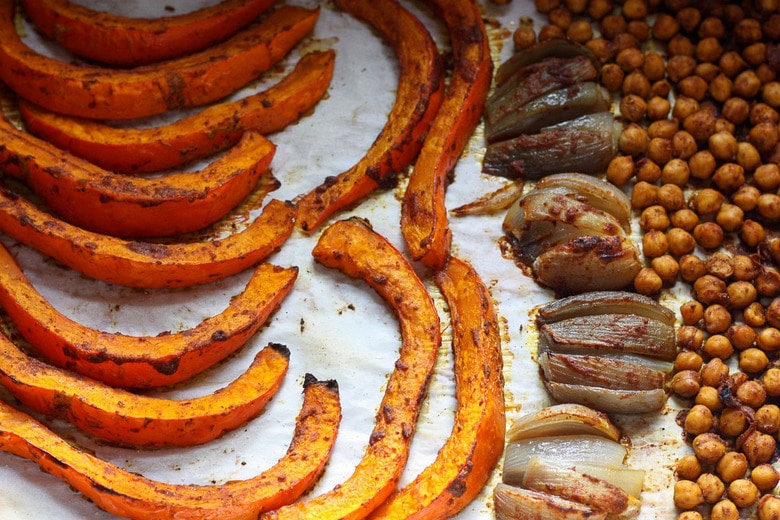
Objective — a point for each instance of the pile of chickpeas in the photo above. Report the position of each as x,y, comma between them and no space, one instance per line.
698,88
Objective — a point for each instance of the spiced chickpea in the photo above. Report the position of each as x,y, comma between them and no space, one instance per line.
767,418
683,144
709,397
635,9
708,447
747,31
633,107
633,140
741,336
773,313
663,129
702,164
755,53
753,315
654,243
761,113
523,37
733,421
732,466
688,360
657,108
720,264
560,17
620,169
724,509
639,29
676,171
653,66
769,206
752,393
699,419
689,18
550,32
717,319
765,72
647,170
731,63
708,49
733,13
612,77
746,84
603,49
630,59
748,156
636,83
685,383
688,467
612,24
741,294
712,487
765,477
722,145
767,177
709,235
580,31
644,194
764,136
729,177
768,339
576,6
680,45
759,448
691,267
718,346
700,125
714,373
770,94
707,201
647,282
752,232
666,267
736,110
746,197
654,217
745,268
724,125
693,86
768,282
711,27
720,88
680,243
671,197
753,360
709,289
684,218
598,9
661,88
690,337
665,27
680,66
768,507
687,495
730,217
771,380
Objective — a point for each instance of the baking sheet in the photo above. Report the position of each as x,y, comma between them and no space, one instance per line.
335,327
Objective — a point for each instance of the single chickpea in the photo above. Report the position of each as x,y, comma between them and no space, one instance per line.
690,338
644,194
580,31
711,26
736,110
714,372
709,289
633,108
709,397
665,27
693,86
748,156
708,235
684,143
684,106
647,282
612,77
720,88
768,283
613,24
717,319
766,73
724,510
745,268
718,346
712,487
658,107
723,146
755,53
654,66
764,136
676,172
770,94
684,218
661,88
636,83
771,380
699,419
768,507
741,294
707,201
685,383
733,13
746,84
720,264
753,315
680,66
730,217
654,217
765,477
762,113
604,50
769,206
732,466
691,267
666,267
654,243
773,313
659,152
625,40
598,9
687,495
729,177
708,447
576,6
688,360
680,44
708,49
767,177
731,63
663,128
671,197
758,448
691,312
690,515
741,336
680,243
688,467
620,169
733,421
700,124
767,418
688,17
724,125
752,393
635,9
630,59
550,32
639,29
768,339
633,140
752,233
560,17
753,360
746,197
747,31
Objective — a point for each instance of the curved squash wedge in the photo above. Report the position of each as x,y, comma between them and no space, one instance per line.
352,247
420,87
130,495
463,465
140,361
126,206
146,264
131,419
129,42
424,222
194,80
216,128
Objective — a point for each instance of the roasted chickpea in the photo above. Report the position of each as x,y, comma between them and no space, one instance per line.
679,67
653,66
550,32
731,63
688,467
680,243
769,206
671,197
693,86
659,152
580,31
729,177
633,140
684,143
736,110
759,448
685,383
770,94
620,170
707,201
714,372
690,515
576,6
767,418
658,107
523,37
613,24
630,59
720,88
663,128
691,312
647,281
752,393
773,313
654,217
684,218
709,397
680,44
747,31
732,466
712,487
768,282
633,107
708,235
768,508
687,494
724,510
639,29
741,294
753,315
746,84
752,232
560,17
733,421
691,267
644,194
690,338
746,197
676,172
666,267
762,113
545,6
745,268
730,217
709,289
741,336
711,27
689,18
665,27
767,177
720,264
684,106
654,243
771,380
764,136
768,339
699,419
700,125
598,9
708,447
723,146
765,477
718,346
748,156
753,360
637,83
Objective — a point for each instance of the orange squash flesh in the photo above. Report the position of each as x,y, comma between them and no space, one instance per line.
193,80
140,361
352,247
424,222
420,87
216,128
125,206
129,42
146,264
126,418
465,462
131,495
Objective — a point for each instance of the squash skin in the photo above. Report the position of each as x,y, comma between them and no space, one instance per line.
140,361
419,94
354,248
424,222
123,493
129,42
215,128
194,80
